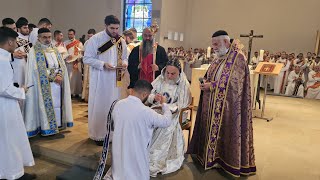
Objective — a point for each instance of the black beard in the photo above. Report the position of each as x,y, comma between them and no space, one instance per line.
147,48
109,33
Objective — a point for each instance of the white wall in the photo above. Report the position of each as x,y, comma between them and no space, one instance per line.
286,24
83,15
173,18
33,10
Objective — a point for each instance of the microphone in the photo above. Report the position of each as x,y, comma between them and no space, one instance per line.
201,80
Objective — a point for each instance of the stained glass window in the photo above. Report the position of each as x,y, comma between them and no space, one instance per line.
137,14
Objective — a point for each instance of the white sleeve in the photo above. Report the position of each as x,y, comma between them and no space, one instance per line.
91,56
7,89
290,77
157,120
33,37
124,52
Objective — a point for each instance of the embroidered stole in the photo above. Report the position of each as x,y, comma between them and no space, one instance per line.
75,43
217,104
46,88
105,150
105,47
24,43
154,53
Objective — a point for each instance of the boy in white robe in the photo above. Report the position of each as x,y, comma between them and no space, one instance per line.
295,76
105,52
15,151
313,85
132,135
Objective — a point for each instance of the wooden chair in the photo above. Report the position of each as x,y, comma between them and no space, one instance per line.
188,123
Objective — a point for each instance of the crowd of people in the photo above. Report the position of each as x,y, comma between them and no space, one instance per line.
299,75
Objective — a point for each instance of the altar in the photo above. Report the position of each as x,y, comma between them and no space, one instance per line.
200,72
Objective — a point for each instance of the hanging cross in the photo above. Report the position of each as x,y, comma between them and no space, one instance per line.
250,36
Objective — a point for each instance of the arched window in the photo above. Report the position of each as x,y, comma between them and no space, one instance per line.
137,14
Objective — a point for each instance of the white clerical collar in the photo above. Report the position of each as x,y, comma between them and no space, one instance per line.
4,52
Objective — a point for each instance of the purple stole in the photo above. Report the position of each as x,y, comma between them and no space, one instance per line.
217,104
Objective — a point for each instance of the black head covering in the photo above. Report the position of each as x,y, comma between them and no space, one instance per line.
220,33
43,30
175,63
22,21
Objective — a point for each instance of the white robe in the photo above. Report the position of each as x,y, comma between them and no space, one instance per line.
61,49
85,85
313,93
167,145
15,151
103,90
291,84
33,36
38,115
19,65
281,79
75,74
132,138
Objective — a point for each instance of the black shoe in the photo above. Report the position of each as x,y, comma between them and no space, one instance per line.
99,143
27,176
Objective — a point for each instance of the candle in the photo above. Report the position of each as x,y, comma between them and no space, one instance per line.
261,55
209,52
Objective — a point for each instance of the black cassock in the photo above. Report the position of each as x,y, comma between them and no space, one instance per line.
133,63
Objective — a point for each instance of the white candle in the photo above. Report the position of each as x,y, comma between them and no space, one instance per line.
261,55
209,52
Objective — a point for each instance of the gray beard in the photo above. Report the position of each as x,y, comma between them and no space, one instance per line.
147,48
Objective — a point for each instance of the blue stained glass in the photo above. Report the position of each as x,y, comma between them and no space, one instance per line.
138,24
148,22
138,1
138,14
129,23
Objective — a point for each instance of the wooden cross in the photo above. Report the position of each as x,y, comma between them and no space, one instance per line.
250,36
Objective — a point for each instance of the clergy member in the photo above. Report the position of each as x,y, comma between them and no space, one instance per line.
75,49
15,148
280,80
167,145
43,23
8,22
315,63
48,101
142,58
313,85
86,70
19,63
223,133
295,83
106,54
132,135
60,45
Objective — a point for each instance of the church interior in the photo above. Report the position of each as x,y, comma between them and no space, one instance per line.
286,125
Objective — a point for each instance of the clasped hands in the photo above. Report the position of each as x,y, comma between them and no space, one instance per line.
19,54
159,98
